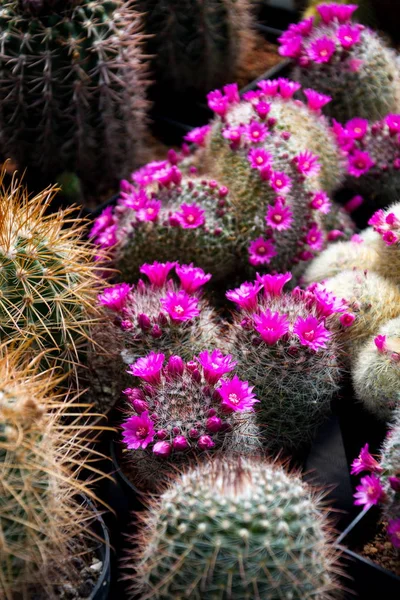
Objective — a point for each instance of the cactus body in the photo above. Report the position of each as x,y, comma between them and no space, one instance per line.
390,463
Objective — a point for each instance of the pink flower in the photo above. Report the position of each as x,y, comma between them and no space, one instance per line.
291,47
357,128
237,395
380,343
347,319
136,200
168,175
393,123
262,108
393,532
271,326
232,93
273,284
279,216
365,462
148,368
315,100
389,238
115,297
233,134
311,332
378,220
108,237
215,365
344,12
269,86
280,182
205,442
288,88
359,163
191,216
370,491
180,306
314,238
252,95
259,158
245,296
138,432
353,204
321,50
261,251
325,302
104,220
354,64
157,272
348,36
150,211
394,483
191,278
256,132
305,26
307,163
162,448
198,135
321,202
218,103
326,13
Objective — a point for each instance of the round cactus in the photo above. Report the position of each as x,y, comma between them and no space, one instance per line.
386,225
73,88
338,223
242,529
346,61
390,463
183,410
284,345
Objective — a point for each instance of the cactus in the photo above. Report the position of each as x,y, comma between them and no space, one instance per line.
238,529
284,345
375,371
73,88
390,463
183,410
338,223
365,12
47,277
346,61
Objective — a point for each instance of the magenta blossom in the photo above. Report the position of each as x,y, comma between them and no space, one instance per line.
393,123
245,296
148,368
370,491
273,284
389,238
311,332
380,343
218,103
347,319
261,251
115,297
237,395
136,200
233,134
280,182
321,50
104,220
365,462
205,442
291,47
348,36
198,135
357,128
315,238
393,532
321,202
307,163
108,237
288,88
359,163
138,432
305,26
162,448
316,100
150,211
259,158
344,12
271,326
180,306
215,365
256,132
231,91
269,86
262,108
378,220
279,216
157,272
325,302
191,216
191,278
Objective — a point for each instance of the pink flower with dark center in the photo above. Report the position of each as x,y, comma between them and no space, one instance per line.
307,163
236,395
365,462
104,220
315,238
218,103
321,50
233,134
162,448
192,278
370,491
378,220
245,296
198,135
279,216
269,87
357,128
261,251
150,211
108,237
393,123
115,297
256,132
191,216
312,333
280,182
180,306
380,343
232,93
148,368
259,158
315,100
348,36
138,432
273,284
347,319
287,88
157,272
262,108
389,238
359,163
215,365
271,326
321,202
393,531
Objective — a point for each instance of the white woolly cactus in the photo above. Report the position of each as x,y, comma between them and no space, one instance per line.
239,529
386,225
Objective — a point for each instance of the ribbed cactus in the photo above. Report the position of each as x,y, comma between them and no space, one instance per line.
285,345
346,61
183,410
73,88
375,371
239,529
48,282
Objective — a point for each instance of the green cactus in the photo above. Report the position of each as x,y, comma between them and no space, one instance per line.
239,529
73,88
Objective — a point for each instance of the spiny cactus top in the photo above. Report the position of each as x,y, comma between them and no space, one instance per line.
73,88
345,60
48,282
285,345
182,409
239,529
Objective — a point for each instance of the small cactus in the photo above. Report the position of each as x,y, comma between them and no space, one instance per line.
239,529
346,61
386,225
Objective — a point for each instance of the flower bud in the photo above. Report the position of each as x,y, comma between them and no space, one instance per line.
175,366
144,322
214,424
205,442
180,443
140,406
162,448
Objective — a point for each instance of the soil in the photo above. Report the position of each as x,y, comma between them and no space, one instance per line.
382,552
260,57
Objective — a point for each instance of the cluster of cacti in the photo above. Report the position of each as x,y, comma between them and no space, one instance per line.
184,409
73,88
285,344
346,61
239,529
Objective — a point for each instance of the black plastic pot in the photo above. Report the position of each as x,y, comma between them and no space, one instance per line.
102,588
367,579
